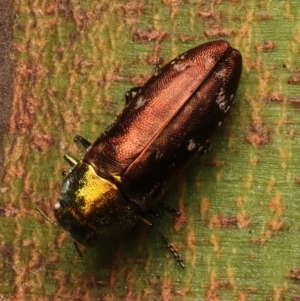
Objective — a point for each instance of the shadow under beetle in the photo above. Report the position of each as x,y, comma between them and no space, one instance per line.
163,127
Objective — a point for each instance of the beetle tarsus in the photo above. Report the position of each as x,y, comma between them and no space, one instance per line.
81,142
129,94
165,241
176,255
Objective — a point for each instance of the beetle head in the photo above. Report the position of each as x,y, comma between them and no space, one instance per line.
91,207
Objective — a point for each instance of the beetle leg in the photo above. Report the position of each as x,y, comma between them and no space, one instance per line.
157,67
77,249
170,209
155,212
161,208
70,159
81,142
165,241
205,148
129,94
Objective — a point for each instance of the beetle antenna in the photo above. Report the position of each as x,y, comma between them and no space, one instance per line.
47,217
55,224
165,241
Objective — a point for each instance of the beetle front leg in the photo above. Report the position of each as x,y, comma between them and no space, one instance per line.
81,142
165,241
71,160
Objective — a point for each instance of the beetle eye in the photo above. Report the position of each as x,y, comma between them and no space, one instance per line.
60,204
57,205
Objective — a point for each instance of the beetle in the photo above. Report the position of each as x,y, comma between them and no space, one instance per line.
163,127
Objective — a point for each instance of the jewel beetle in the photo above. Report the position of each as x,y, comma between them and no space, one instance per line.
164,125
